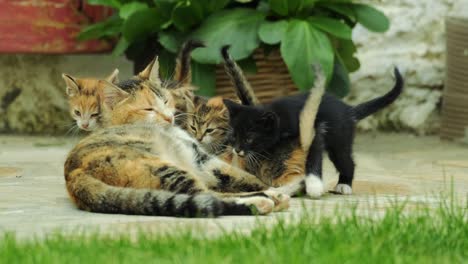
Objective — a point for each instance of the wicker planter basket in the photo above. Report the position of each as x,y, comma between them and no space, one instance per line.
271,81
455,98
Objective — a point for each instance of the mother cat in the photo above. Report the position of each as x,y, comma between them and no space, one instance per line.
143,164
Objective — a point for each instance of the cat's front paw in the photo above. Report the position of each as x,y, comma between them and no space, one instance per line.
314,186
259,205
342,188
281,200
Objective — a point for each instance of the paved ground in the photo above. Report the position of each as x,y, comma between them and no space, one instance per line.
33,200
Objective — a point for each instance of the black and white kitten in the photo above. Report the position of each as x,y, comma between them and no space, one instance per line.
260,128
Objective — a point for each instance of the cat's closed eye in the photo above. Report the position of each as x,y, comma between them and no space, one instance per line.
95,115
209,130
192,127
77,113
149,109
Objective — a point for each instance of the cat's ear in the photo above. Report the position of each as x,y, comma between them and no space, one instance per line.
72,86
269,121
216,102
151,72
111,94
113,77
233,108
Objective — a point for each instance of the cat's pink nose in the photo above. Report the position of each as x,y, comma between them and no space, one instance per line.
169,119
85,125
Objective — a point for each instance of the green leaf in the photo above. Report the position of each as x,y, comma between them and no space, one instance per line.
331,26
142,23
235,27
120,48
371,18
272,32
171,40
284,7
339,84
302,46
111,3
128,9
204,77
344,10
108,28
187,14
213,5
346,51
166,7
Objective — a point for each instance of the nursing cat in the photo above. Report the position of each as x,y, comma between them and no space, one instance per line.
335,124
85,103
141,163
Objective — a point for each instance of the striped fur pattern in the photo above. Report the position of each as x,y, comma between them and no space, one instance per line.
183,73
142,164
243,89
209,124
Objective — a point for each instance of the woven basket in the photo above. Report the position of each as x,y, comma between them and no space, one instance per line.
271,81
455,98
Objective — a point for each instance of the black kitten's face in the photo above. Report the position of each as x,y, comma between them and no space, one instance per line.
254,130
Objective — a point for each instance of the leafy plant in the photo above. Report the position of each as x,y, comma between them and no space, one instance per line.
305,31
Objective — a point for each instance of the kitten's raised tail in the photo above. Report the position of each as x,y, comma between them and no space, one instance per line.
91,194
182,72
241,85
311,106
366,109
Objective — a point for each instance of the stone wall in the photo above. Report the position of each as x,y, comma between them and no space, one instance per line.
415,43
32,92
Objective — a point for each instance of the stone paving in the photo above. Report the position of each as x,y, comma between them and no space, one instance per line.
390,167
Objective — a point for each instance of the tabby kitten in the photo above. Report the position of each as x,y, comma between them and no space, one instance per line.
142,164
84,101
335,123
209,124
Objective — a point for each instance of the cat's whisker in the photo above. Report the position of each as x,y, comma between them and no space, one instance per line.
71,129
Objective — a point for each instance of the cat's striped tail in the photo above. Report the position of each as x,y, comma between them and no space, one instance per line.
182,71
91,194
310,109
243,89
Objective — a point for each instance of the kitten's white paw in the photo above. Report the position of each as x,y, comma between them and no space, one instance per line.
261,205
314,186
342,188
281,200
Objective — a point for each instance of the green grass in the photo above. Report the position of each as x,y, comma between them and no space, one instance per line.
420,236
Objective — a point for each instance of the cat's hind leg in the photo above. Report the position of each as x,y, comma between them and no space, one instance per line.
342,158
313,180
178,181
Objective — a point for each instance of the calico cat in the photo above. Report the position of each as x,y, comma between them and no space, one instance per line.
142,164
335,125
84,101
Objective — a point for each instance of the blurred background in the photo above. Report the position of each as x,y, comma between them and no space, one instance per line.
426,39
